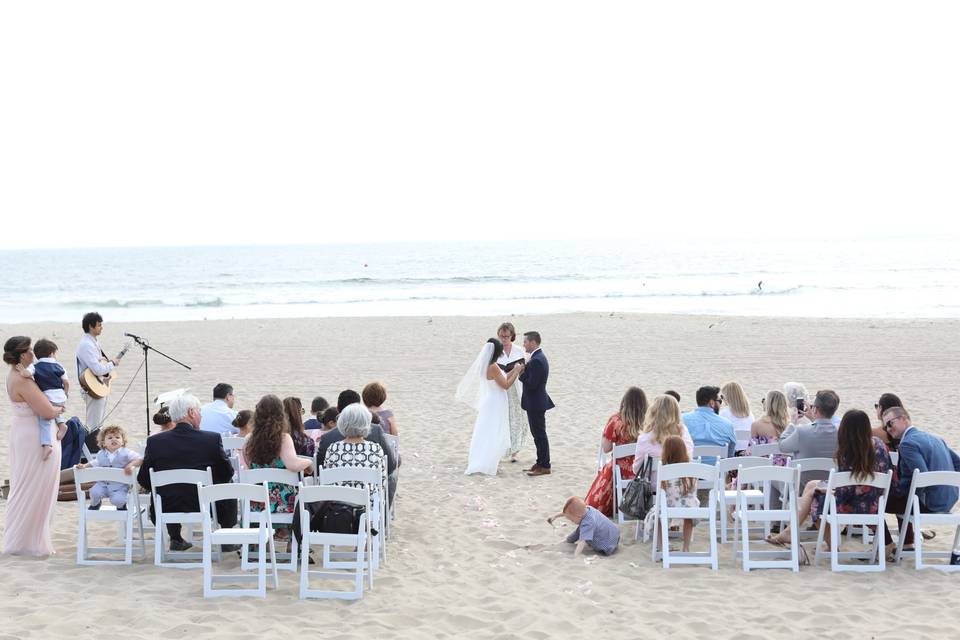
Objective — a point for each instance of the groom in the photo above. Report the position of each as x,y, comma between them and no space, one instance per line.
535,400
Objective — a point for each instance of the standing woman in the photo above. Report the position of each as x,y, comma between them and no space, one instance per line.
303,443
518,417
34,479
622,428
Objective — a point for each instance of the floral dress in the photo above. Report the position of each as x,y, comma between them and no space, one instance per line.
778,460
600,495
857,498
676,497
304,444
282,496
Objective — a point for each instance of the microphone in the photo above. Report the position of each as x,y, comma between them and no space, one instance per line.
136,338
130,335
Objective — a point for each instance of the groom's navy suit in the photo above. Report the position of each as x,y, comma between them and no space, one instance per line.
536,403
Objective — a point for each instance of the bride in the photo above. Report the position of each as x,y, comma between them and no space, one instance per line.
484,387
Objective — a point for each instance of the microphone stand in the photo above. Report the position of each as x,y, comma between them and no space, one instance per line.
146,369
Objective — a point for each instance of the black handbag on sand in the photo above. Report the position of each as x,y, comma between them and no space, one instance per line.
638,497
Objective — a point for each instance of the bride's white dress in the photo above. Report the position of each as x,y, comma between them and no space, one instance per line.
491,431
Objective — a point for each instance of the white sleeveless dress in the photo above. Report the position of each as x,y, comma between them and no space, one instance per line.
491,431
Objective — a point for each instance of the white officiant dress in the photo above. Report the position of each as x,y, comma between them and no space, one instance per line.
491,431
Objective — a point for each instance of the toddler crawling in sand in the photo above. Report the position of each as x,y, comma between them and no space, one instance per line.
593,528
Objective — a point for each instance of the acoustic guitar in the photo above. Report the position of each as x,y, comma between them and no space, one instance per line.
99,386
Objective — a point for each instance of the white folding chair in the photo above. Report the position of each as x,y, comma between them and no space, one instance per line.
233,445
728,497
743,439
765,450
837,521
286,560
813,469
709,451
162,556
371,479
602,456
243,535
108,513
394,442
661,525
619,483
744,515
922,480
361,541
895,457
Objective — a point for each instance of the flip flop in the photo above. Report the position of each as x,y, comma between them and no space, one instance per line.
928,534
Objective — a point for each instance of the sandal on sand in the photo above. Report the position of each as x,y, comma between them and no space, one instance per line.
802,556
928,534
776,541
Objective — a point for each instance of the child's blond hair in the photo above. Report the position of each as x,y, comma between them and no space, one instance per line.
113,428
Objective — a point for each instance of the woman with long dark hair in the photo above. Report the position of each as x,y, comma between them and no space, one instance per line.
860,453
270,446
303,443
484,387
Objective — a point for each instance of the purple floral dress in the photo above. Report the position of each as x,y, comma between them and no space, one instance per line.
857,498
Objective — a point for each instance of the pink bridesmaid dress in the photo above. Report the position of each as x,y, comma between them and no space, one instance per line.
34,483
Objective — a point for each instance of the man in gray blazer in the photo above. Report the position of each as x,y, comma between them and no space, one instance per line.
816,440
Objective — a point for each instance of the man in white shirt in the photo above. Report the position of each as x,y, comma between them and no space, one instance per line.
218,416
88,357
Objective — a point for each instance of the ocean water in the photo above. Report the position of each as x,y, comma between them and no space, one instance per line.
852,278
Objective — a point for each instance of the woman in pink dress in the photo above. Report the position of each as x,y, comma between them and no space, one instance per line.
34,478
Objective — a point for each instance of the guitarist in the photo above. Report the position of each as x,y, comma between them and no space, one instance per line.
89,355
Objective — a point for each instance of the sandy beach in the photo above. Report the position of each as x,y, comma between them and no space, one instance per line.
473,557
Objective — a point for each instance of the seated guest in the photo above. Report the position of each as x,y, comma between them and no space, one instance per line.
186,447
218,415
162,419
592,530
772,424
622,428
673,394
706,427
663,420
736,409
858,452
355,450
924,452
271,447
815,440
796,395
885,402
345,399
317,407
329,419
679,492
303,443
243,423
374,395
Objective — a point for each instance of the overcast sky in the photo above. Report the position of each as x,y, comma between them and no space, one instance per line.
128,123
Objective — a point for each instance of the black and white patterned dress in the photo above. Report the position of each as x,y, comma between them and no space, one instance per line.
365,454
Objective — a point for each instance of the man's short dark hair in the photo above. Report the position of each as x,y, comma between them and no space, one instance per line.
346,398
706,394
221,391
44,348
318,406
533,336
673,394
826,402
90,320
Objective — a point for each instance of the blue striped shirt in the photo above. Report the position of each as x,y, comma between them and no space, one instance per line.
598,531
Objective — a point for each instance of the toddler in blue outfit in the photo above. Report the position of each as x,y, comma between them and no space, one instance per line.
113,453
52,379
